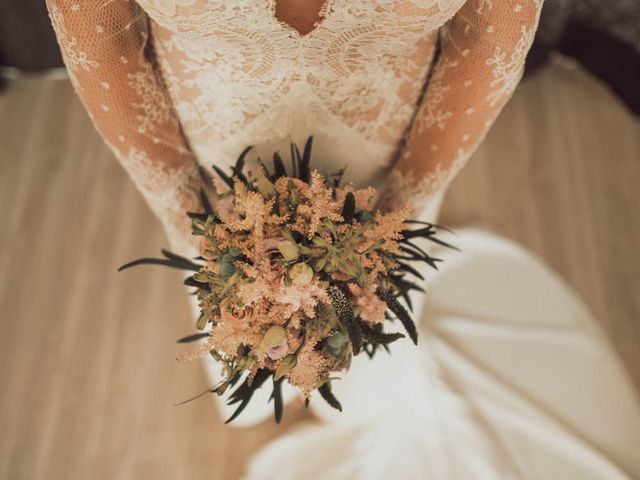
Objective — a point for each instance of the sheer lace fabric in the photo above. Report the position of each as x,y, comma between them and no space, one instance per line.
231,74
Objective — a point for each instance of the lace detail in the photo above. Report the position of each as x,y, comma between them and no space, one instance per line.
507,73
74,57
105,45
483,53
175,191
433,114
154,106
424,193
232,66
230,74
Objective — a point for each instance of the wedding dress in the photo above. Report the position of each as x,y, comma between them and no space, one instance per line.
512,377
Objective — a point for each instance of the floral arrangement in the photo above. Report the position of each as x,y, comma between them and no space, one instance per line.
296,275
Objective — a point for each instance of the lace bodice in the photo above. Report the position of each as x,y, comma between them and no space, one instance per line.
172,84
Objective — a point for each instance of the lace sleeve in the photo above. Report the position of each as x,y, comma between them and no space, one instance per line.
106,50
482,58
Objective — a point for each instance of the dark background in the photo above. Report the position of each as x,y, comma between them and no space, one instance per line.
26,38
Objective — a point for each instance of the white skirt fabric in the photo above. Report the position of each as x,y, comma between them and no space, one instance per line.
512,378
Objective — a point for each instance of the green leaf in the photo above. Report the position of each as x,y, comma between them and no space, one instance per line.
276,395
377,336
306,160
287,364
327,395
265,187
226,268
206,205
198,216
202,322
396,307
265,170
365,217
239,166
319,264
295,156
192,282
410,269
278,166
286,233
294,195
193,338
245,391
225,178
172,260
349,207
336,343
289,251
273,337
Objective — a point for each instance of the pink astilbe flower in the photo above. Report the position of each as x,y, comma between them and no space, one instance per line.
301,297
255,291
311,368
370,308
318,205
363,196
388,228
282,186
227,338
224,338
226,210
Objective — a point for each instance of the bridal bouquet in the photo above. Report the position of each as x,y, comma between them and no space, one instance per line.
296,275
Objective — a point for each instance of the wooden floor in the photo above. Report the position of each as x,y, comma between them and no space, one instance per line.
87,372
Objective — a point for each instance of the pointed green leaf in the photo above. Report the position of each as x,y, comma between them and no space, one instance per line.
327,395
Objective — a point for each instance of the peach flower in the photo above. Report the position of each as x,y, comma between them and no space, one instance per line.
226,210
368,305
232,315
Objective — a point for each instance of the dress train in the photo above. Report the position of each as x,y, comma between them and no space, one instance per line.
512,379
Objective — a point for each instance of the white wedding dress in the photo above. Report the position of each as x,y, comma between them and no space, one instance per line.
512,377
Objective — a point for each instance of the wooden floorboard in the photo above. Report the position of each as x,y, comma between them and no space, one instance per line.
87,371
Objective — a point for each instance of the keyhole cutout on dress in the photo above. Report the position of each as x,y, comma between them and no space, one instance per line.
300,15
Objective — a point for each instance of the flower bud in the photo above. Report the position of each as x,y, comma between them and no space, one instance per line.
273,338
265,187
301,274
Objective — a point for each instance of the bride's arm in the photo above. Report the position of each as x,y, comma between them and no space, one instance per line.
105,45
482,58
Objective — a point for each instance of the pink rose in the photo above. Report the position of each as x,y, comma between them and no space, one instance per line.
231,314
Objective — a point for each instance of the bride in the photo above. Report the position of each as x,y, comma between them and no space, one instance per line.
513,377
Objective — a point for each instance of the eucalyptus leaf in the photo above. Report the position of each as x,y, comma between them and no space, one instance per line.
287,364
